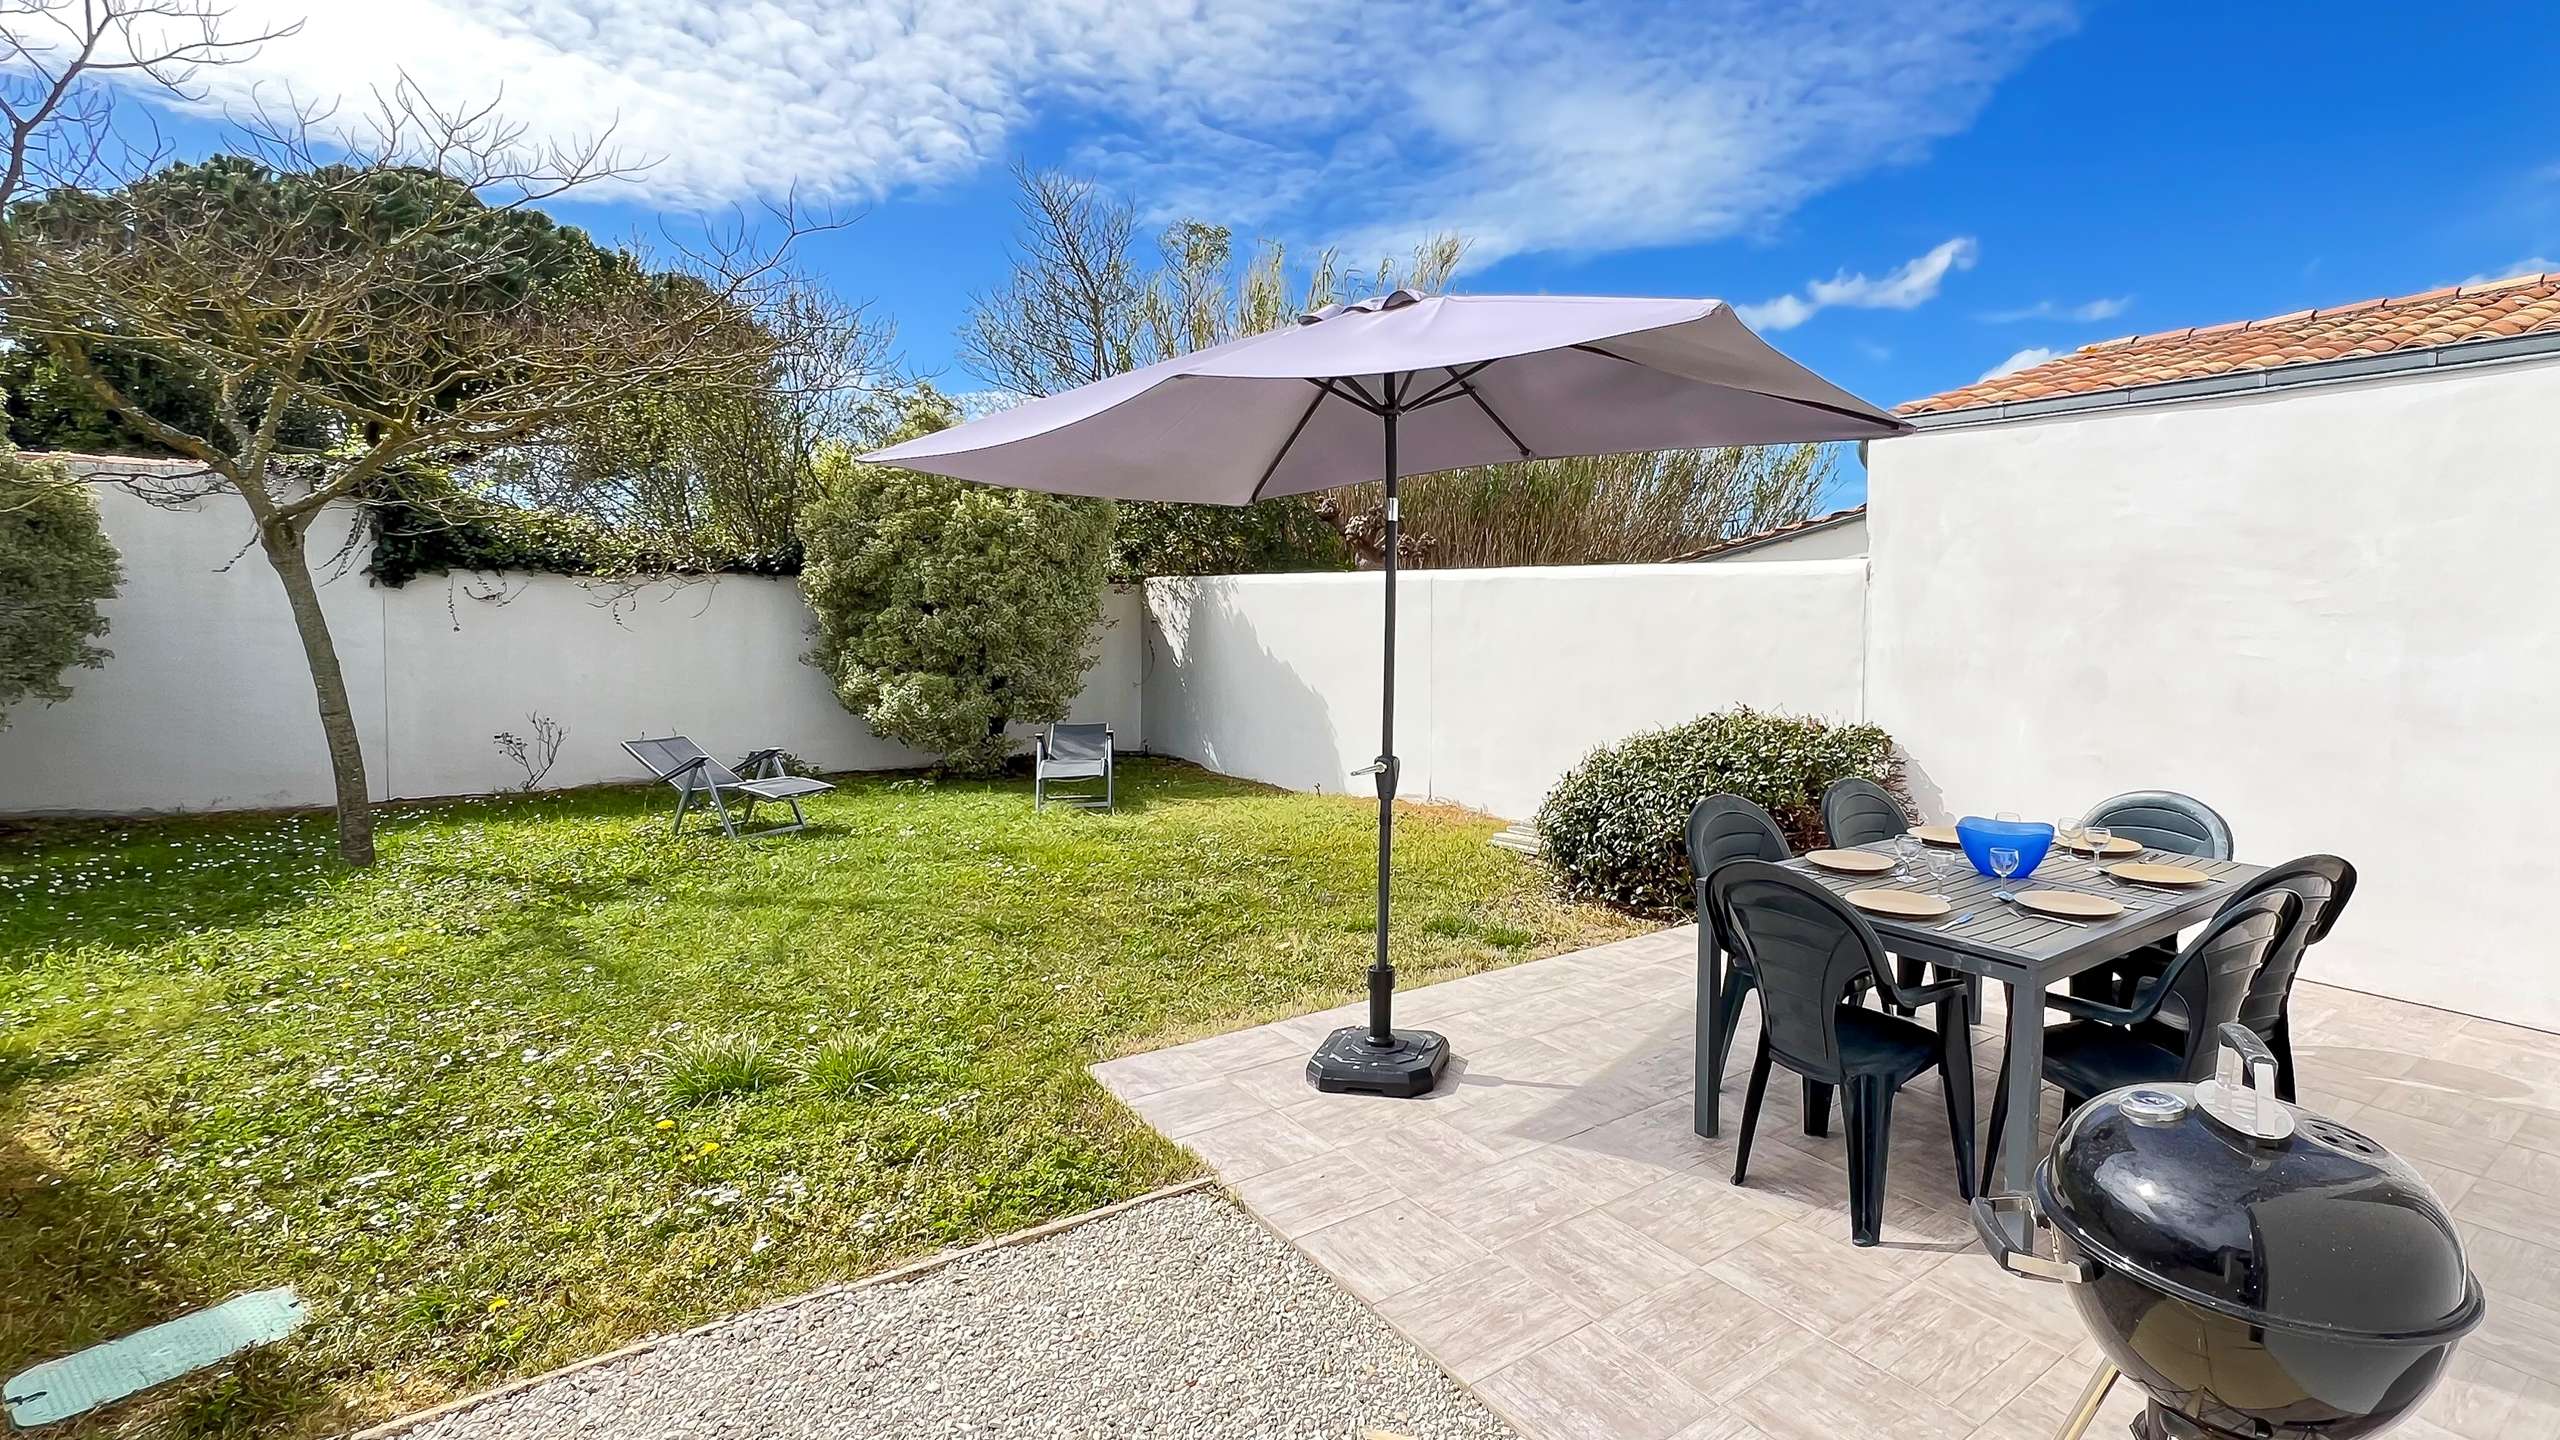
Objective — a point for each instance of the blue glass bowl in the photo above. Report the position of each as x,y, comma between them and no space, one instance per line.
1980,837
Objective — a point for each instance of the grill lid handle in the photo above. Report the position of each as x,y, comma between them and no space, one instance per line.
2003,1237
2241,1096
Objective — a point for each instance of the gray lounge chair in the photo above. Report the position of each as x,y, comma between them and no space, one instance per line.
1072,752
683,764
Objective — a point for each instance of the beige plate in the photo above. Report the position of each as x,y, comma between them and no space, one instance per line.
1937,835
1849,862
2116,845
2069,904
1900,904
2144,872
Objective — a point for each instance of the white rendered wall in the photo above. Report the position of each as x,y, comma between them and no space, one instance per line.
2327,612
1505,678
207,703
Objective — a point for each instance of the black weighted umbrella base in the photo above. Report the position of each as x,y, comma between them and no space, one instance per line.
1347,1064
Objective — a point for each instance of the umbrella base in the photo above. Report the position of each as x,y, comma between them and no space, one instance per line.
1347,1064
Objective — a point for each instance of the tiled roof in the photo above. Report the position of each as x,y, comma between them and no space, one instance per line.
2523,305
1775,532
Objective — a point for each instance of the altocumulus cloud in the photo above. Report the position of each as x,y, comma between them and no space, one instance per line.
1907,286
1366,122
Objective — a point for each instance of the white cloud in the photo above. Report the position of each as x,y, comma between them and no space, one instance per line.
1911,284
2032,356
2103,308
2530,265
1525,127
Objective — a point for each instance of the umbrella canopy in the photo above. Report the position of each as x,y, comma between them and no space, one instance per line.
1475,380
1401,384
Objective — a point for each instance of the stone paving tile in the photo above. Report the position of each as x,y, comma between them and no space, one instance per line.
1478,1318
1389,1250
1547,1225
1719,1339
1589,1386
1598,1262
1826,1393
1255,1145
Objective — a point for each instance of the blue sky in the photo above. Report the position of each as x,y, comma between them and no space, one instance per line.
1902,198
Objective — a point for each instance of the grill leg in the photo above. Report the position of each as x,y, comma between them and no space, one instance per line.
2084,1414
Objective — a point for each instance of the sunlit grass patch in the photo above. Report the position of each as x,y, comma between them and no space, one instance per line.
544,1081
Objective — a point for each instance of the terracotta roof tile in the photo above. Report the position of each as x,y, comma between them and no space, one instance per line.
2450,315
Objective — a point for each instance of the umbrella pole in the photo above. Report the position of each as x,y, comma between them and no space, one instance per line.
1382,971
1376,1059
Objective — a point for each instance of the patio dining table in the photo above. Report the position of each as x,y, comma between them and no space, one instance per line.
2000,941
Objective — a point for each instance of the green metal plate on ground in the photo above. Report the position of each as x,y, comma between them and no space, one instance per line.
60,1389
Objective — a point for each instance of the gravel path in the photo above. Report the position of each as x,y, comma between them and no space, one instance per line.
1179,1318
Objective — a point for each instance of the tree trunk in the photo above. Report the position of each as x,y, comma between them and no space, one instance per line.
286,551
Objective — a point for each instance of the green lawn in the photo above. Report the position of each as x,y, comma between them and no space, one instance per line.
434,1095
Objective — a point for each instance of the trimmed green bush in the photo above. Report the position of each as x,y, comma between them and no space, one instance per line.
947,611
55,566
1614,828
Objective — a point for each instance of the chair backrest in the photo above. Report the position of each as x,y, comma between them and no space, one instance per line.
2323,884
1079,742
2213,973
1806,947
666,757
1724,828
1728,827
2165,820
1858,811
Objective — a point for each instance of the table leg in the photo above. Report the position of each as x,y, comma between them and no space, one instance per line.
2025,1062
1707,1102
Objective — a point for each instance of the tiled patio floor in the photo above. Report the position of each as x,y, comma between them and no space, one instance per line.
1548,1228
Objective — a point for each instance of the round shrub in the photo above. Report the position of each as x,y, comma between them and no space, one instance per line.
948,611
1615,826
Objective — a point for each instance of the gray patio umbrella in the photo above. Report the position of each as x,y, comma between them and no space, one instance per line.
1404,383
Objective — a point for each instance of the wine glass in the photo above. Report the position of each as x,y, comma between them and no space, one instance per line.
1936,860
1906,850
2098,837
2004,863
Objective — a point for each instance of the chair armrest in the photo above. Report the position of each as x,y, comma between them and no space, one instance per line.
770,755
1936,992
688,767
1040,745
2081,1007
2148,997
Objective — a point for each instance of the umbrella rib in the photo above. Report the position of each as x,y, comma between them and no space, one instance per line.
1839,410
1345,388
1499,423
1283,453
1448,389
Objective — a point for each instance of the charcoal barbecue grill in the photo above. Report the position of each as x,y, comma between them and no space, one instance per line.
2261,1272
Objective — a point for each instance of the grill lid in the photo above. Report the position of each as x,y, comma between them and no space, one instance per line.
2314,1227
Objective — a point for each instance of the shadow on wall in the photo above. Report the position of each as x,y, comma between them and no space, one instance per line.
1258,704
1927,800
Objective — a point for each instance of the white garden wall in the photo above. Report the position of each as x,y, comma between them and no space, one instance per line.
1505,678
2328,612
207,703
